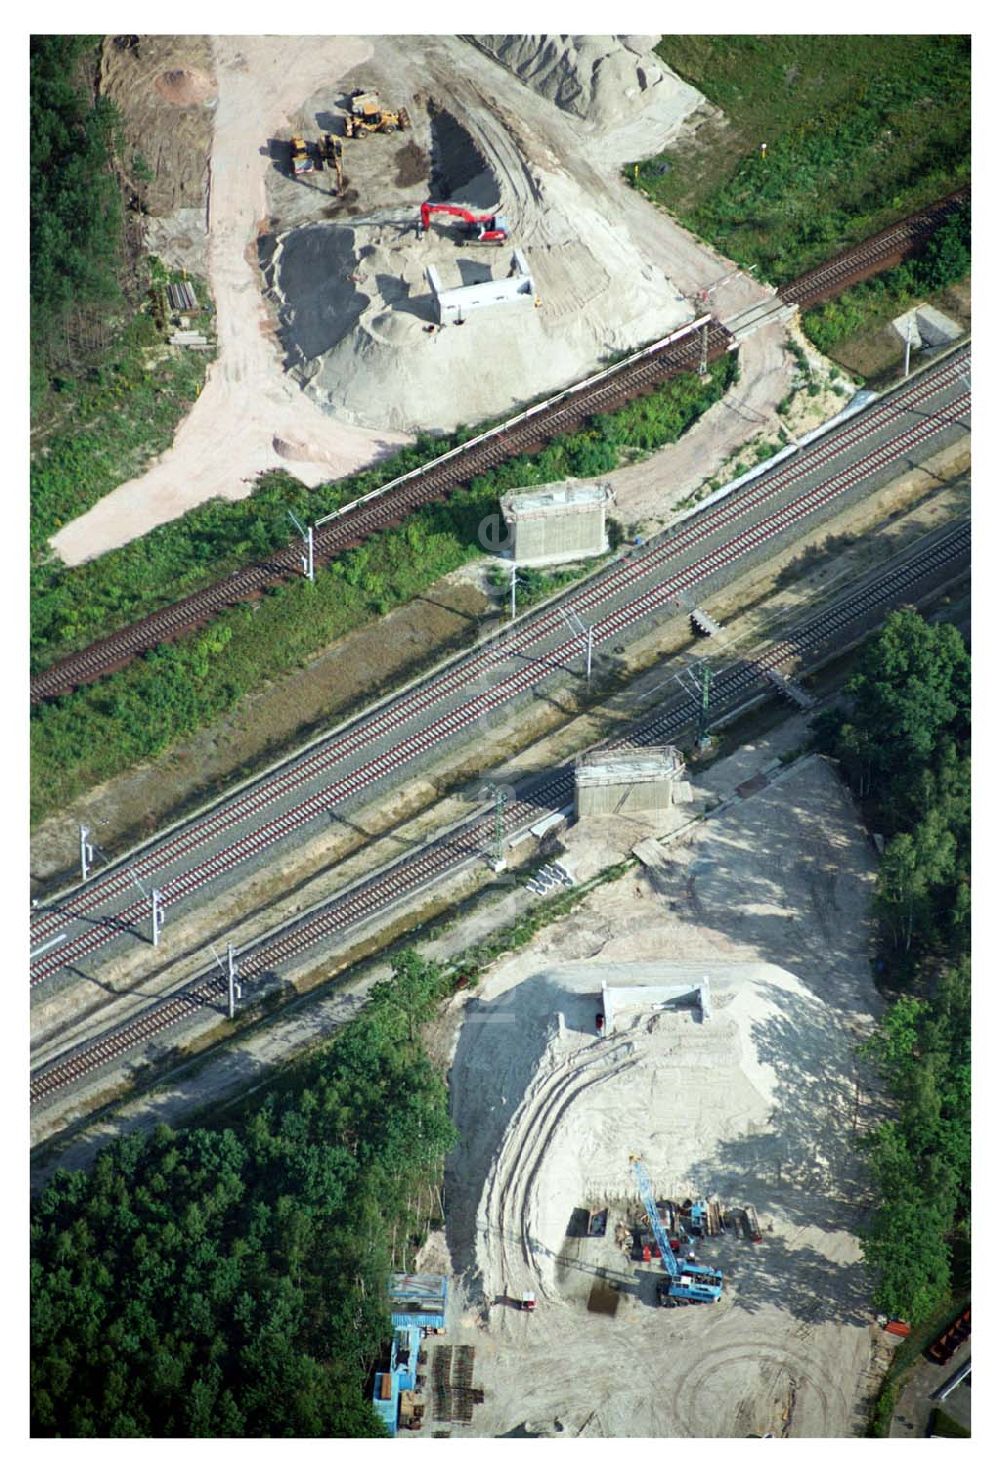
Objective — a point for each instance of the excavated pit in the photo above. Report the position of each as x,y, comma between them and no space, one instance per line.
458,169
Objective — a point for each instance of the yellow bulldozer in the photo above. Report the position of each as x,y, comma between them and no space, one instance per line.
367,115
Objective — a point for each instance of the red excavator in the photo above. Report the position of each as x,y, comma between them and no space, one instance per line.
477,227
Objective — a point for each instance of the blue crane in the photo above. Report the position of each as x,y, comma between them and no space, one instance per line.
686,1282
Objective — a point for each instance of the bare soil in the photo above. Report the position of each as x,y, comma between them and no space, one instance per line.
165,90
760,1104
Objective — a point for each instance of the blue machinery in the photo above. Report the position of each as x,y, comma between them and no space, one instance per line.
686,1281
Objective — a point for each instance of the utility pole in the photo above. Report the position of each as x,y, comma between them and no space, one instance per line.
906,352
308,567
513,592
586,634
158,913
235,992
86,852
705,682
499,794
698,675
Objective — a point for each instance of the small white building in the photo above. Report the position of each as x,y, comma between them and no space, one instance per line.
454,304
557,521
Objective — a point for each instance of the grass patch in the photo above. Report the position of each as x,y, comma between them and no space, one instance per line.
859,131
114,418
946,259
133,715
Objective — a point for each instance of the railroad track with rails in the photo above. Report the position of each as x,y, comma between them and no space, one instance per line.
293,801
878,254
469,843
388,506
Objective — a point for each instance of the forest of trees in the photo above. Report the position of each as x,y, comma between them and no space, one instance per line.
905,747
230,1280
75,202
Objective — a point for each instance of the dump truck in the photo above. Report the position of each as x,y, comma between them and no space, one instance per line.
367,115
301,158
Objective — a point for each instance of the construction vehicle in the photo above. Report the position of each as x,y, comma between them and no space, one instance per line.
686,1282
301,158
367,115
331,152
488,228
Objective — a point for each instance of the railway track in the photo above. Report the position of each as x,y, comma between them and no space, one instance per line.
468,844
389,505
271,811
878,254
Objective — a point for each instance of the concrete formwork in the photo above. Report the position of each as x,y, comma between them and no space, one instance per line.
453,304
627,781
557,521
637,998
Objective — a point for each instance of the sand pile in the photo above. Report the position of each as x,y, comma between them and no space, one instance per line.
702,1101
602,79
184,86
356,314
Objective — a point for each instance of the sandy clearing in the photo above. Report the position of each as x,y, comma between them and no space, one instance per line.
248,403
756,1104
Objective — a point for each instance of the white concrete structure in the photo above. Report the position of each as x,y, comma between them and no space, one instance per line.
557,521
635,999
926,327
627,781
454,304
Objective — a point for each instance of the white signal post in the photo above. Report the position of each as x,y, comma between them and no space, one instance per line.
86,852
158,914
308,562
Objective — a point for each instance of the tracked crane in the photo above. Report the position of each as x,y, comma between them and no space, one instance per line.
490,228
685,1281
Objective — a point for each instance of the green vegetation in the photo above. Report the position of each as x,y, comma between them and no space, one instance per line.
106,391
84,738
122,412
859,131
75,207
905,746
229,1280
946,259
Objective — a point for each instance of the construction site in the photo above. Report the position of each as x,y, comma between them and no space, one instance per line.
658,1105
424,223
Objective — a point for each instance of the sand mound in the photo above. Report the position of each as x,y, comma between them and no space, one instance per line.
297,450
602,79
185,85
356,313
572,1107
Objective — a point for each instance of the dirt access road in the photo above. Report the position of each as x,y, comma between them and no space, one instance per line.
249,406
